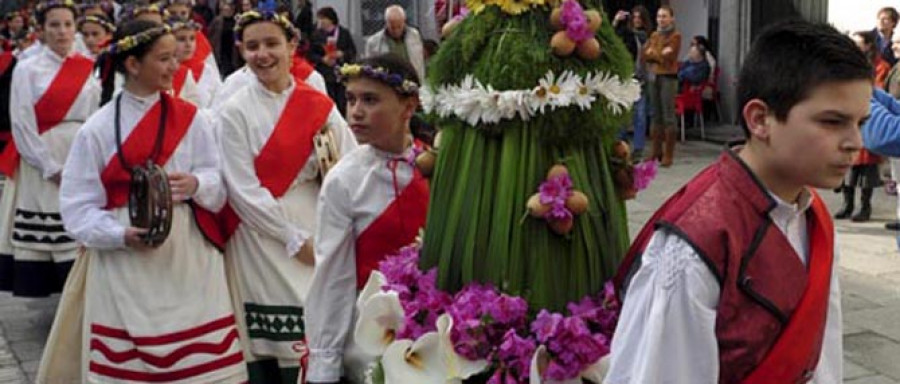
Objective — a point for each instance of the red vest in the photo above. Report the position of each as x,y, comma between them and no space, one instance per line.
395,228
771,312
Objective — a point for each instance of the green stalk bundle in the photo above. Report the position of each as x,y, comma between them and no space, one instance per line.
484,175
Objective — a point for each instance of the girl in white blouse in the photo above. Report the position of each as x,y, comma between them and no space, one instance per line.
266,133
52,94
167,304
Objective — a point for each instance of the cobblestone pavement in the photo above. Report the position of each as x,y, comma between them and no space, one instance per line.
870,272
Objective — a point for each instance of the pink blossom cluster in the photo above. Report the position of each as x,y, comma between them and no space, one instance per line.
481,317
422,302
644,173
554,192
576,23
495,327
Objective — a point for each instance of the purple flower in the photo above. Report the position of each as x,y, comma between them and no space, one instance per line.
570,342
554,192
422,302
644,173
572,17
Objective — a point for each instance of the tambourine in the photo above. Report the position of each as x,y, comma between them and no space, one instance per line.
150,202
325,146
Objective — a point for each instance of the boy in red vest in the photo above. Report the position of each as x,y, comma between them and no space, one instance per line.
733,280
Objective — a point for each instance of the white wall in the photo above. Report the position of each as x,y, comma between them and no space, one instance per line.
856,15
692,19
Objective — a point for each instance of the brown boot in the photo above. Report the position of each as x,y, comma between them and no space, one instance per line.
656,137
669,151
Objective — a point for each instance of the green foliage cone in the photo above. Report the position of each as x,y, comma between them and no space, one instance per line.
484,176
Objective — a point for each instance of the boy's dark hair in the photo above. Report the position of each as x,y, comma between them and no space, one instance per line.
328,13
790,59
892,13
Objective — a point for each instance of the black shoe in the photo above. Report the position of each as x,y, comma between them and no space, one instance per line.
863,215
892,225
845,212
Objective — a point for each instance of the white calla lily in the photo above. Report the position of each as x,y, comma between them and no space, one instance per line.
539,365
597,371
379,320
457,366
373,285
406,361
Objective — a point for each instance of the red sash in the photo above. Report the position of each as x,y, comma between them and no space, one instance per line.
300,68
54,104
397,227
796,353
288,148
6,58
139,145
178,79
203,50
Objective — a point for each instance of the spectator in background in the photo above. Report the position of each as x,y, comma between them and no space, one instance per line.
304,19
864,173
704,43
201,9
884,33
246,5
694,70
634,29
661,54
399,39
331,46
221,37
892,86
15,27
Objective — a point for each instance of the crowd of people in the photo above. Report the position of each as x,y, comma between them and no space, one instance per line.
243,112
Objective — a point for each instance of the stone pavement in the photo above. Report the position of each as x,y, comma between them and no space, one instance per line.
870,272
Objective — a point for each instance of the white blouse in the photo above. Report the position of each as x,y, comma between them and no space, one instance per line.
31,78
666,330
82,194
246,122
355,193
208,85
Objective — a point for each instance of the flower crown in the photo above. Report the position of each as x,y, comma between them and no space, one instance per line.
254,16
128,43
396,81
179,2
141,9
176,24
12,15
45,6
109,27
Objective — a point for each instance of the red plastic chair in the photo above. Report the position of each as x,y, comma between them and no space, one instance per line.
690,100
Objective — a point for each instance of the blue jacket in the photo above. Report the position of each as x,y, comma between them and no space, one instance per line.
694,73
881,133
